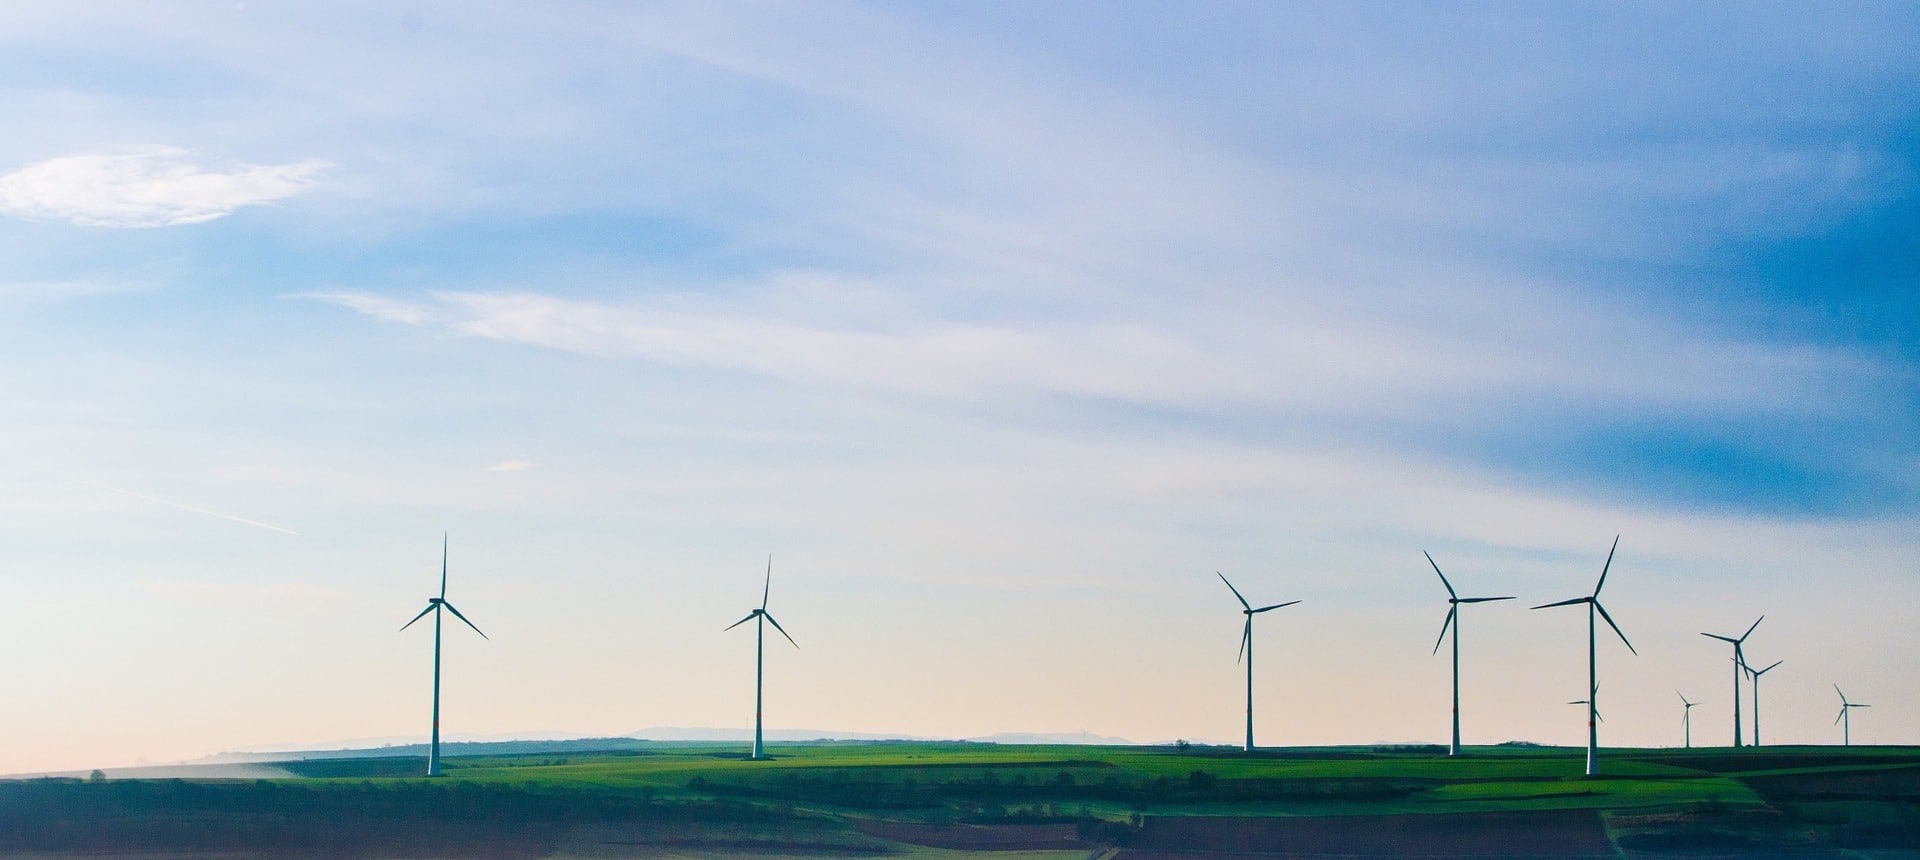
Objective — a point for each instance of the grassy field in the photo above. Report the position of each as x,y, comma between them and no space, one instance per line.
957,800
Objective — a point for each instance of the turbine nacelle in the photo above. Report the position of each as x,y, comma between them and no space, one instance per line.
1593,599
765,592
1845,705
1249,610
1739,653
1453,602
434,603
1596,712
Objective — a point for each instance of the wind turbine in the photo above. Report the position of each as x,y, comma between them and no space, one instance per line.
1754,675
1596,714
1846,716
1453,611
1686,717
1593,664
761,617
1739,665
434,605
1246,646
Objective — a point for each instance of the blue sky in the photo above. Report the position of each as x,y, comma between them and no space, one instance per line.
1002,326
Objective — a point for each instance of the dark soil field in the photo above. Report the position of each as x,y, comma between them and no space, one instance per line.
979,837
1571,833
923,800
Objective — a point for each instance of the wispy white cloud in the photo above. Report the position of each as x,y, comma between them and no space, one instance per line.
1117,360
511,466
378,307
1323,358
154,186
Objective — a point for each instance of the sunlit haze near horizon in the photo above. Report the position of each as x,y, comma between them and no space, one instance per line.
1000,327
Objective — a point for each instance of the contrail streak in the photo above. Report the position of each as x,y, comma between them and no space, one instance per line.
172,504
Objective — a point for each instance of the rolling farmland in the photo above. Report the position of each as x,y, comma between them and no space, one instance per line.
952,800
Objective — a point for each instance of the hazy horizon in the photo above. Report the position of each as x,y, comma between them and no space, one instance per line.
1001,327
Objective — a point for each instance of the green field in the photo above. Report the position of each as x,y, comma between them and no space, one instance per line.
954,800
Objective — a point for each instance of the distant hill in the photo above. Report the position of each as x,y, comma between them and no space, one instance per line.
682,733
454,748
1051,738
638,740
685,733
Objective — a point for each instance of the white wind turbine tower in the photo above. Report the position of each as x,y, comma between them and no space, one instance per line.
761,619
1846,716
1754,676
434,605
1686,716
1246,646
1453,612
1593,647
1739,665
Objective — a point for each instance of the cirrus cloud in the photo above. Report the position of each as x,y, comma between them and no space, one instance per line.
154,186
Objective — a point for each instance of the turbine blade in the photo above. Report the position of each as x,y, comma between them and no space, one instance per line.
1604,568
423,614
776,626
1858,705
1843,694
1721,638
1246,635
740,622
443,565
1743,636
1443,577
767,590
1236,592
1565,603
1276,606
1769,668
1616,627
463,618
1481,599
1843,713
1683,697
1451,610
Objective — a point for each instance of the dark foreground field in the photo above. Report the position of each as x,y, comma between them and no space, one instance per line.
973,800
